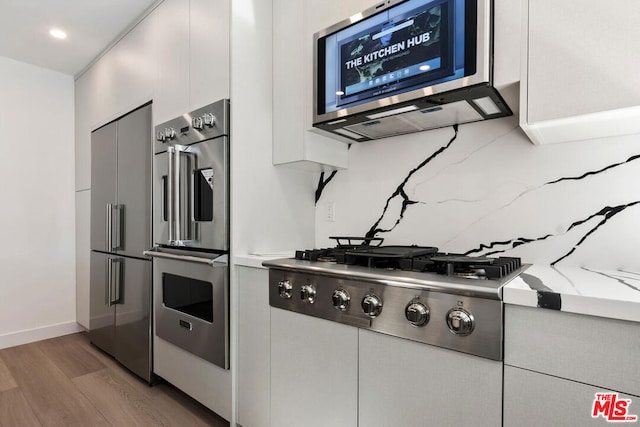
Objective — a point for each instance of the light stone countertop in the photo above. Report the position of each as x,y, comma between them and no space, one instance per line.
255,260
606,293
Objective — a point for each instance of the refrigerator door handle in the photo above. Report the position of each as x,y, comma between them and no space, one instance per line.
109,223
119,237
115,288
109,281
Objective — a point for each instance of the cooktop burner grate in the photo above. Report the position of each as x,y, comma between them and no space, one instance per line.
369,252
463,266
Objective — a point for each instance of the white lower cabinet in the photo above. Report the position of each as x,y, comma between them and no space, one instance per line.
328,374
314,372
556,362
404,383
535,399
253,347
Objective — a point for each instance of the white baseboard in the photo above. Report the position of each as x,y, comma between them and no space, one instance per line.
38,334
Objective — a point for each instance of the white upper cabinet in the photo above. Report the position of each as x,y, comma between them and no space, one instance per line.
172,89
209,51
293,140
579,70
193,56
120,81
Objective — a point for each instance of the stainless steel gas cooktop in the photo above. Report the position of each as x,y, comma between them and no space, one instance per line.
413,292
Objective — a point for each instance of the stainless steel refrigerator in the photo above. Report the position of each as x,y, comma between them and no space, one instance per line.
120,287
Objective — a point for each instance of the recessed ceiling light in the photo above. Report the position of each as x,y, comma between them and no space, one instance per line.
58,34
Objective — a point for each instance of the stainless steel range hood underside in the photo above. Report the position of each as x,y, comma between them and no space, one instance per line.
471,104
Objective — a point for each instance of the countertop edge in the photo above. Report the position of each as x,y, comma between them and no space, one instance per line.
256,260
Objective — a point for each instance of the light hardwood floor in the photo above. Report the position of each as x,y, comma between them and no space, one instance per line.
67,382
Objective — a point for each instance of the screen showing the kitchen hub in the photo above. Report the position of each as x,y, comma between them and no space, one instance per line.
414,44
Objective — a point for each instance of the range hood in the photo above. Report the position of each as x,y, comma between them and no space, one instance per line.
405,66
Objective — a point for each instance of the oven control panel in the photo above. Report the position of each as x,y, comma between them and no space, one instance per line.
457,322
208,122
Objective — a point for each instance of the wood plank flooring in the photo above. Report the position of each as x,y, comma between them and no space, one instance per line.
67,382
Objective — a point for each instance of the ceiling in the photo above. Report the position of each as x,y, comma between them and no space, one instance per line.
91,25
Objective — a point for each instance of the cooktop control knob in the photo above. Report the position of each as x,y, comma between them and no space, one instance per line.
285,289
160,136
169,133
209,119
372,305
460,321
417,313
308,293
197,123
340,299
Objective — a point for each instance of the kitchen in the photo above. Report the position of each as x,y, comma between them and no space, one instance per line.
537,201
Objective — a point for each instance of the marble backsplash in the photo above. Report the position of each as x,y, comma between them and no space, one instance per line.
483,188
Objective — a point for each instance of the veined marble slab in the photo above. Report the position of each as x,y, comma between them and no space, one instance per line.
606,293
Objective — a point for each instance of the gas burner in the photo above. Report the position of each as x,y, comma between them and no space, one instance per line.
470,274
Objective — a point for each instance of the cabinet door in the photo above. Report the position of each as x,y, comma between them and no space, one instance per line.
253,347
588,349
208,51
314,372
134,181
534,399
579,57
172,91
293,27
103,183
132,326
404,383
101,311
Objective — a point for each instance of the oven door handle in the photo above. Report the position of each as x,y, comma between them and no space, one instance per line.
180,207
218,262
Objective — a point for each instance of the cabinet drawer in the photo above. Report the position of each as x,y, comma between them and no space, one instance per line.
533,399
593,350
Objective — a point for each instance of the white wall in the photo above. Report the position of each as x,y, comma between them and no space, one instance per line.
37,257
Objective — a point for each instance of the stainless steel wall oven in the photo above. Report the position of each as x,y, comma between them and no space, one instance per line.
191,232
191,180
192,304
